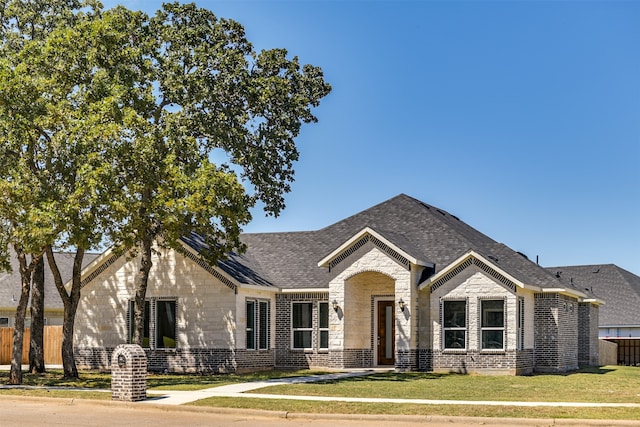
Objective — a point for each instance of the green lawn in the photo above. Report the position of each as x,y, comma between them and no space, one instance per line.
102,380
607,384
612,384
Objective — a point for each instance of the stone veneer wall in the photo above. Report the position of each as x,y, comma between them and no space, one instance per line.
556,333
285,356
588,347
193,360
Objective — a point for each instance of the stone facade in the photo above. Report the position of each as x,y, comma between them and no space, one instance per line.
377,292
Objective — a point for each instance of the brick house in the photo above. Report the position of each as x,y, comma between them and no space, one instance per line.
402,284
620,316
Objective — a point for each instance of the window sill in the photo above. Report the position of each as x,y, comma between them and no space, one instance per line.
455,351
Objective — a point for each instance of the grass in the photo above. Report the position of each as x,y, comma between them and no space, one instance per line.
300,406
613,384
102,380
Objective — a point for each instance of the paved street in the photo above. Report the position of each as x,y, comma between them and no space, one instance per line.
40,412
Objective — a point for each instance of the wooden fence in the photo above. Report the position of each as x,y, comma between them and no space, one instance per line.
52,345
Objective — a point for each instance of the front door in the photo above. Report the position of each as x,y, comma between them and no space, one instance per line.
386,333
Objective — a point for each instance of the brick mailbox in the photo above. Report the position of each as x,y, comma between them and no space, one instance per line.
128,373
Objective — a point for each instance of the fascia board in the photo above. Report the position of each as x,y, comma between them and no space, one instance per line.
304,290
573,293
324,262
273,289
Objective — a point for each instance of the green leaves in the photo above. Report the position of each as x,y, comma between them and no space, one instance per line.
108,120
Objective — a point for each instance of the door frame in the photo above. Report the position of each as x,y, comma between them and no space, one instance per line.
390,299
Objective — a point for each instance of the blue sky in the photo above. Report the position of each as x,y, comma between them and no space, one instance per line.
522,118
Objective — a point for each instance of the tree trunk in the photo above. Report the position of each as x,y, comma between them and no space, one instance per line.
15,374
36,347
70,301
142,278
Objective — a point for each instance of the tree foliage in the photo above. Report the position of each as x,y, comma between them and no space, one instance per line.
113,125
205,94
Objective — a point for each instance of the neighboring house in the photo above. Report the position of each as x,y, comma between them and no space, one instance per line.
620,316
11,285
402,284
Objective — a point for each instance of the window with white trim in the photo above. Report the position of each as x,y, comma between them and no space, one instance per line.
492,324
323,323
454,322
258,315
302,325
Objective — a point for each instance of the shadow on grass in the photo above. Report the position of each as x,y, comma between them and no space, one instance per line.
102,380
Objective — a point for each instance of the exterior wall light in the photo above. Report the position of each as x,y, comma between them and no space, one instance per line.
402,305
336,307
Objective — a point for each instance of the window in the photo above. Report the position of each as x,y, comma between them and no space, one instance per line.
165,324
302,325
492,324
520,323
251,325
257,328
323,309
263,325
4,322
454,320
146,342
159,323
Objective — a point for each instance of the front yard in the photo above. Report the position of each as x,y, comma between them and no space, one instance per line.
610,384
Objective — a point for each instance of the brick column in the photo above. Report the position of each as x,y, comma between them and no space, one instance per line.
128,373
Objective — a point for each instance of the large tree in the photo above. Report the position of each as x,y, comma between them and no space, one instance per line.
63,109
211,96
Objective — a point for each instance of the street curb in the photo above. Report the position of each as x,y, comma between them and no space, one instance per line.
260,413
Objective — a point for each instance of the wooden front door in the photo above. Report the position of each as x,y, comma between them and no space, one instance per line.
386,333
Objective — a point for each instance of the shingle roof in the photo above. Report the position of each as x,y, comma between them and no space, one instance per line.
619,288
10,283
289,260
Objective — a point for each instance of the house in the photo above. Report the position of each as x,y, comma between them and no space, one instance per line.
11,285
620,316
402,284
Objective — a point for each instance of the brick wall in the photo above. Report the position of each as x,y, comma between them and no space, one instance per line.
472,361
556,333
193,360
588,348
285,356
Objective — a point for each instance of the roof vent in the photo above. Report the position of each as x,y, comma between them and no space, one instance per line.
492,258
596,270
558,273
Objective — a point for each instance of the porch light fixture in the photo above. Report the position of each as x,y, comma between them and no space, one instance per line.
336,307
401,304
